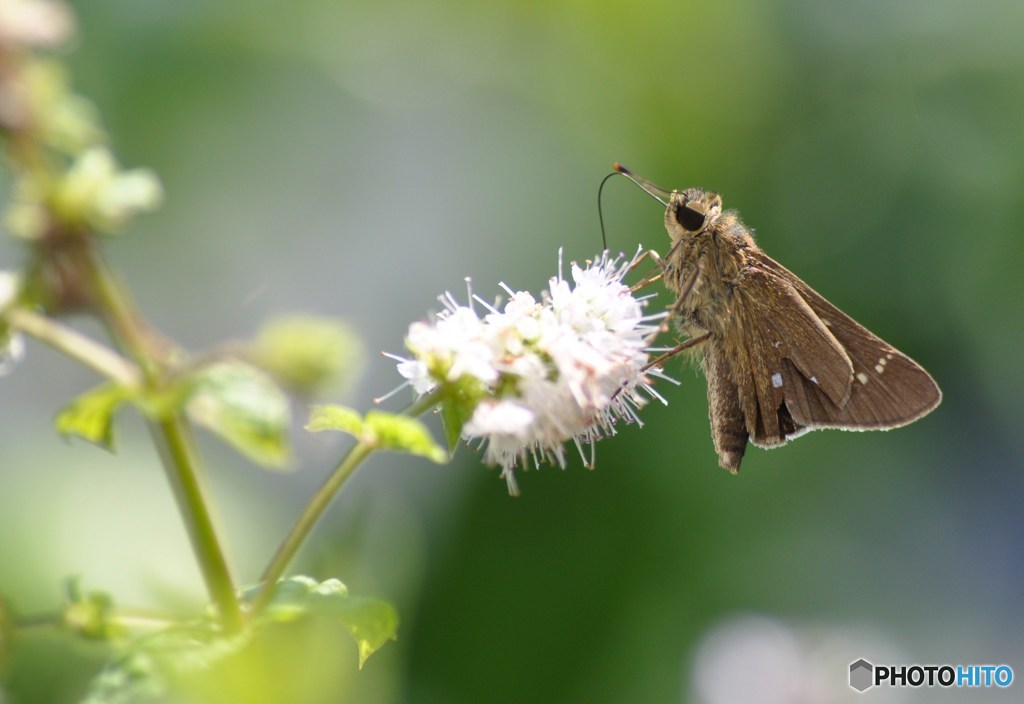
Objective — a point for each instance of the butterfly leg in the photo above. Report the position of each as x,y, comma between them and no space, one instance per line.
650,278
673,312
684,294
681,347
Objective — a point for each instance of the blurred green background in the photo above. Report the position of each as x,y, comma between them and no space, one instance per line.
357,159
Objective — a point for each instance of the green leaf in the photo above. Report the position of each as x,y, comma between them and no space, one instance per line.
152,668
91,415
290,600
453,417
404,434
372,622
245,408
457,402
334,417
195,660
385,431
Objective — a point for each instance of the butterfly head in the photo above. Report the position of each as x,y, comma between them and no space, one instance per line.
690,212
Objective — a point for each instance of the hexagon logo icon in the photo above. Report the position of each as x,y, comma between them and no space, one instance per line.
861,672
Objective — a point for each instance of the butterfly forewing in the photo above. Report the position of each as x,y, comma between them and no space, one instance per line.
812,366
889,389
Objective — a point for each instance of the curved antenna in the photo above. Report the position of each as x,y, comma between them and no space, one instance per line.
656,192
600,214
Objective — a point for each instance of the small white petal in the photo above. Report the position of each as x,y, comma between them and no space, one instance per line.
418,375
12,350
501,418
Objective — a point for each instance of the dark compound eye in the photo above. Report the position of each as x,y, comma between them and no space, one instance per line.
690,219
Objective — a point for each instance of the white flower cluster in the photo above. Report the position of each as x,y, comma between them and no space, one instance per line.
566,367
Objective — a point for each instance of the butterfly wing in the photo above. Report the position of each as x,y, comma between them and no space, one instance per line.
806,364
889,389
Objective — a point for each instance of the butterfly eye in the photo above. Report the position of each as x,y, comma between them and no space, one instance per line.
691,220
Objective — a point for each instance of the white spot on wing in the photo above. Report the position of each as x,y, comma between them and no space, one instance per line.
888,356
778,343
879,368
814,379
776,380
862,377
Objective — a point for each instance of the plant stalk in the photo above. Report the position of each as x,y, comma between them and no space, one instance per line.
174,443
74,344
309,517
315,508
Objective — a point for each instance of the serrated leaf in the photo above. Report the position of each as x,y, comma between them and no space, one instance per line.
386,431
404,434
134,680
333,417
245,408
196,661
290,600
371,622
91,415
151,667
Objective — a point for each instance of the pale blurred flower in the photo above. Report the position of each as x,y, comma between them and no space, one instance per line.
757,659
538,374
97,192
56,115
26,215
12,344
36,101
12,350
9,285
35,23
93,192
310,354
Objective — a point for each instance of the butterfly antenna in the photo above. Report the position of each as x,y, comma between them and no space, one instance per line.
600,214
656,192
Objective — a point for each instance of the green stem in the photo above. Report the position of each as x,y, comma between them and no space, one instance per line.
312,512
127,616
172,438
174,443
315,508
74,344
122,318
